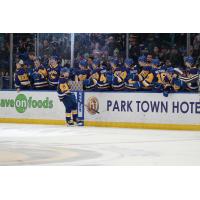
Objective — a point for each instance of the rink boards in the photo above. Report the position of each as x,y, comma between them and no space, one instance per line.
110,109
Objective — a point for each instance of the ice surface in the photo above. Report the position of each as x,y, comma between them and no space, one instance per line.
60,145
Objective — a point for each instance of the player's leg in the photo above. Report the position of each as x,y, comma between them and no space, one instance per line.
74,107
68,110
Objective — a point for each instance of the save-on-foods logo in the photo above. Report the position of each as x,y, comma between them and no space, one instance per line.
92,105
21,103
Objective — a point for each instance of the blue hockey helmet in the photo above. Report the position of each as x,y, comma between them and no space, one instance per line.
54,58
64,70
170,70
83,63
147,68
129,61
189,59
156,61
142,59
96,61
115,61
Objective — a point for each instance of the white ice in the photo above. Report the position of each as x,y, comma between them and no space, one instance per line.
60,145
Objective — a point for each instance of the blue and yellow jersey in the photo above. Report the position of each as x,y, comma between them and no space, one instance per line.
21,78
105,79
132,74
146,77
39,77
63,87
53,75
191,79
91,82
82,74
159,75
118,78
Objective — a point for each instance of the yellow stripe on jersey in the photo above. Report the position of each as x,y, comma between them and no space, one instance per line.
103,78
23,77
123,75
74,112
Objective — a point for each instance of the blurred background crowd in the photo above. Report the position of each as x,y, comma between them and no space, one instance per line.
166,47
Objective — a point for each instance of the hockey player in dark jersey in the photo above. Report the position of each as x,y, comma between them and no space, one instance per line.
191,75
21,78
67,98
105,79
159,73
118,76
53,71
83,72
171,82
131,80
39,75
91,82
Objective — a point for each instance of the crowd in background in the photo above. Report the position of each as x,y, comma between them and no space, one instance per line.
170,49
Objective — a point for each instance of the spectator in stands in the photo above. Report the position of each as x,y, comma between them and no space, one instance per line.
175,57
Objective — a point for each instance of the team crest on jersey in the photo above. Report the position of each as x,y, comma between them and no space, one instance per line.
93,105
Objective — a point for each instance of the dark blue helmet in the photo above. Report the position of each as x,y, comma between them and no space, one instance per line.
170,70
64,70
96,61
142,59
189,59
115,61
156,61
54,58
147,68
129,61
83,63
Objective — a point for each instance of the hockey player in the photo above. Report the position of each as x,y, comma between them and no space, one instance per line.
118,77
39,75
83,72
146,76
67,98
91,82
191,76
159,73
105,79
172,83
21,78
131,81
53,71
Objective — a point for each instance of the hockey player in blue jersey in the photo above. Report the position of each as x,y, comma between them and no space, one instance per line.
67,98
91,82
105,79
21,77
145,77
83,72
172,82
118,77
191,75
53,71
39,75
159,73
131,80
